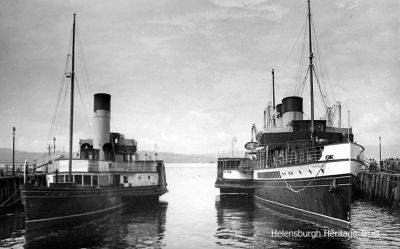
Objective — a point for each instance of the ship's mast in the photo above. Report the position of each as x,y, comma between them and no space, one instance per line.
273,94
273,89
71,122
311,67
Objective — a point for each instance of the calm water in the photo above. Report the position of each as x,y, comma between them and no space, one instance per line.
192,215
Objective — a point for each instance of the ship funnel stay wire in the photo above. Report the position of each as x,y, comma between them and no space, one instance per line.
301,63
86,112
59,101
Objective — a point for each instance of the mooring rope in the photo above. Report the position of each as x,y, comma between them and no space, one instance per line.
12,203
9,198
288,186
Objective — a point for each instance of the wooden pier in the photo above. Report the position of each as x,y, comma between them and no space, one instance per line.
10,198
9,192
382,188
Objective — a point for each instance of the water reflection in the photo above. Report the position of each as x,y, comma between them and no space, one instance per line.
235,218
12,228
378,226
125,228
243,224
196,219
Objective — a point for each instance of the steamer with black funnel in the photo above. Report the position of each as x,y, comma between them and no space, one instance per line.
106,176
304,167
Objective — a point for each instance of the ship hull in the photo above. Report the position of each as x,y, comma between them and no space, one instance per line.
46,206
238,186
325,199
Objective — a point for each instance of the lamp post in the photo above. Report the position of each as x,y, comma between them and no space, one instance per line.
380,152
13,153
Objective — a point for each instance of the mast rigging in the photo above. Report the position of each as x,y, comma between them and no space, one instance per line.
71,124
311,75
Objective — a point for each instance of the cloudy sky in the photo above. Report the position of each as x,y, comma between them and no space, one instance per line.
188,75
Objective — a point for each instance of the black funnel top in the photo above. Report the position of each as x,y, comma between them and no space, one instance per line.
292,104
102,101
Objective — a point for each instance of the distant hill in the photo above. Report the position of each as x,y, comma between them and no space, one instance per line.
181,158
371,151
21,156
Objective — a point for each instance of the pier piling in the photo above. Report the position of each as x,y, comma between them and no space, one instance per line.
383,188
9,187
397,192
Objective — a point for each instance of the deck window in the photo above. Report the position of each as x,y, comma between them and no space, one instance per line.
86,180
125,179
78,179
61,178
103,180
95,180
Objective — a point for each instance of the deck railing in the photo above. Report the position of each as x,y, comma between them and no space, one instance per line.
284,157
237,163
135,166
232,154
277,159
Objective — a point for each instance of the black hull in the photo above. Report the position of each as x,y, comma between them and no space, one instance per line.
323,199
54,205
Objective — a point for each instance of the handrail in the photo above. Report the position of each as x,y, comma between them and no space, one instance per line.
276,159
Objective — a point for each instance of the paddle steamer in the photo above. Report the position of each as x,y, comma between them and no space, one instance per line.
106,175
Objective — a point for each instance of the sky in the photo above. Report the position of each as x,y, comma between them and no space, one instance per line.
189,75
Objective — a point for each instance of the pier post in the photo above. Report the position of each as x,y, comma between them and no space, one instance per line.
13,153
361,177
365,179
371,188
383,186
387,185
376,187
377,184
380,190
388,189
397,192
26,172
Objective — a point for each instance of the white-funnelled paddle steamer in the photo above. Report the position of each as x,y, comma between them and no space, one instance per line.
307,168
106,176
